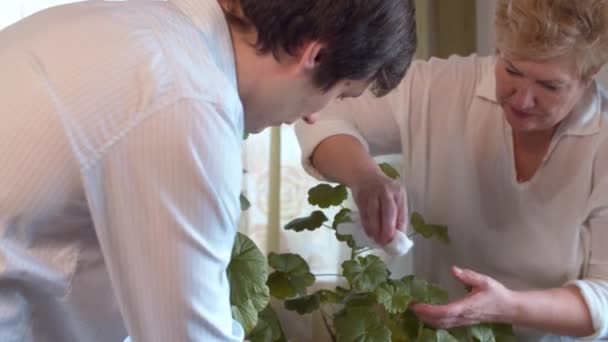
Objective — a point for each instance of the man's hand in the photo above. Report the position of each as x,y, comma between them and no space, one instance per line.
382,204
488,301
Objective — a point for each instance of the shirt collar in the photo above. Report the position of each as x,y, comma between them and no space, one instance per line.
208,17
584,120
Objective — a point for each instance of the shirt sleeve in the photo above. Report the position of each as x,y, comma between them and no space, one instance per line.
594,285
164,201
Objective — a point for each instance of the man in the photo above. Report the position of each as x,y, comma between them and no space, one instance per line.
120,138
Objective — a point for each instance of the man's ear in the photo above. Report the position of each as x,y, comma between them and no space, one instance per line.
310,55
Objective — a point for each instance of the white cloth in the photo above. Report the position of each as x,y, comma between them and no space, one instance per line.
398,246
459,171
120,169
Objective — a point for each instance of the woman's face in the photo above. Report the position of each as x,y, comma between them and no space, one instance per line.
537,95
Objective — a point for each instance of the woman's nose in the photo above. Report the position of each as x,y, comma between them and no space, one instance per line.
524,98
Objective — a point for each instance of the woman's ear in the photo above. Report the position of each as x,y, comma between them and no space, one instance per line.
591,75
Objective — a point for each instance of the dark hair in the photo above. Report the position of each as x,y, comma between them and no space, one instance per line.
365,39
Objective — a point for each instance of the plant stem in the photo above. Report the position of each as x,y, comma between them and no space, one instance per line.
364,250
412,235
328,227
331,333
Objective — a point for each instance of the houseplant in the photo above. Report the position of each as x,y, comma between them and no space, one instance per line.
369,306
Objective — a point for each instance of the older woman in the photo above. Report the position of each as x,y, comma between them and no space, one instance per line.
509,151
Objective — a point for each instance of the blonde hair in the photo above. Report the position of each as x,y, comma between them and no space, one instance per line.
545,29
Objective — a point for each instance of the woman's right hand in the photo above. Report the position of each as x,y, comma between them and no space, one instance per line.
382,204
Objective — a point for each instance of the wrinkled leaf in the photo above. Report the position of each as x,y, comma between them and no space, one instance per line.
268,328
329,297
365,273
397,325
394,296
424,292
482,333
503,332
444,336
416,220
361,299
247,276
429,335
361,325
348,239
343,216
291,277
245,204
411,324
325,196
312,222
246,314
429,231
389,170
304,305
461,333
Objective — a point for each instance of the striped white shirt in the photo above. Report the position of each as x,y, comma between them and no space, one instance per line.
120,143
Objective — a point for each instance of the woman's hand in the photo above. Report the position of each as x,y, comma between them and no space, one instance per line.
488,301
382,204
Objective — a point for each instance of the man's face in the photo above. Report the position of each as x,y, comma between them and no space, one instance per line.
299,99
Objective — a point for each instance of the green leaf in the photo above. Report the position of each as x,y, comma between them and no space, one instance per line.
325,196
348,239
361,325
312,222
424,292
429,230
461,333
411,324
393,296
268,328
304,305
482,333
245,204
439,232
416,220
291,277
366,273
329,297
444,336
399,332
247,277
343,216
357,300
429,335
246,314
389,170
503,332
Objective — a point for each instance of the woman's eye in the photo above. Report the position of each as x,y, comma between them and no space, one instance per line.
512,72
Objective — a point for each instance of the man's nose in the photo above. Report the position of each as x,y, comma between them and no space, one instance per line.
311,118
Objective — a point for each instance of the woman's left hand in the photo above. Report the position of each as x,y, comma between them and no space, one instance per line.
488,301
